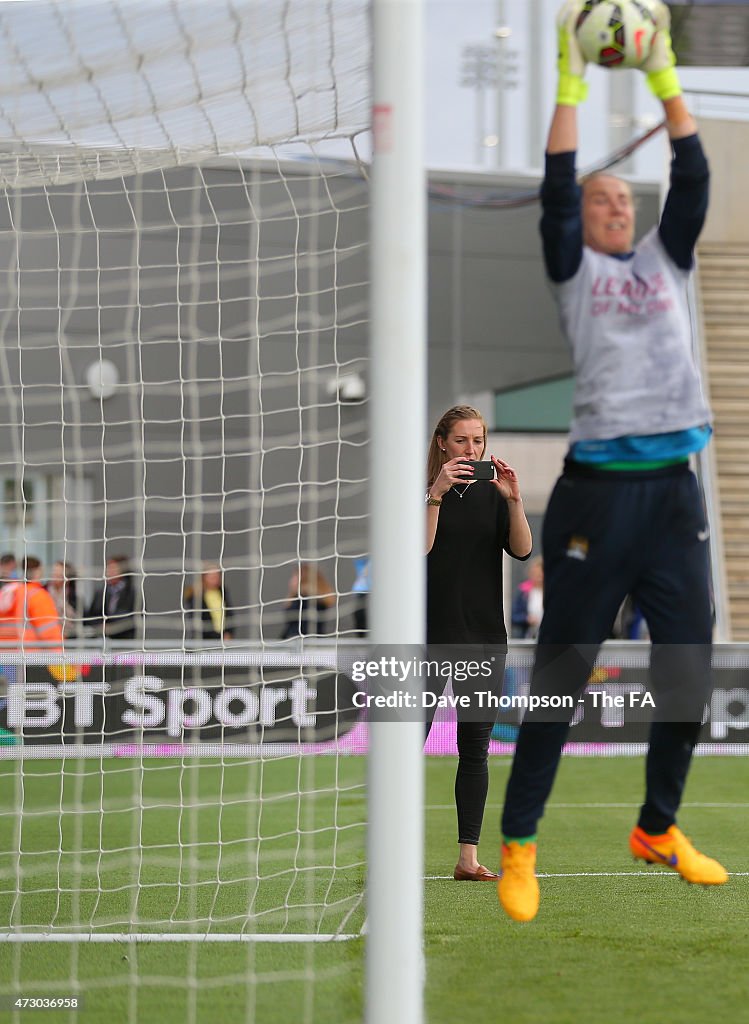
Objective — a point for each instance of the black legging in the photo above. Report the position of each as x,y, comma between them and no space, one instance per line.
472,775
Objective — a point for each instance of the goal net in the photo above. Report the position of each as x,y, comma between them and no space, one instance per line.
183,368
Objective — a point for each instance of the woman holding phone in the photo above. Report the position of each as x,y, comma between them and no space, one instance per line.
471,521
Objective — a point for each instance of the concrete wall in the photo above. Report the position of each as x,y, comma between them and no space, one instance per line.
726,144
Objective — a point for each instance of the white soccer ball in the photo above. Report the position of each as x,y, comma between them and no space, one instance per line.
615,33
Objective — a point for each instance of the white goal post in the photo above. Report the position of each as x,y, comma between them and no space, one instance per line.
394,947
212,301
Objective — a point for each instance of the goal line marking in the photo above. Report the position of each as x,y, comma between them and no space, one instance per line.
144,937
600,806
595,874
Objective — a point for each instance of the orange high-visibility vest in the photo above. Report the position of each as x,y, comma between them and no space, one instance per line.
28,615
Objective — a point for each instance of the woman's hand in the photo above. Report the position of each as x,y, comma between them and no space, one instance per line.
519,537
506,481
456,471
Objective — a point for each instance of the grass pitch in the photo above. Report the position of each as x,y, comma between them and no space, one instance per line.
613,941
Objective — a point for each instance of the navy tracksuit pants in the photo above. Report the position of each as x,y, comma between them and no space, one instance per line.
608,534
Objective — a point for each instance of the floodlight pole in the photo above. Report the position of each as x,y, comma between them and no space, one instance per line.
395,875
501,35
533,86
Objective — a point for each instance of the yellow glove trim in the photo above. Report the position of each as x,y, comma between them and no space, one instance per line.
664,84
571,90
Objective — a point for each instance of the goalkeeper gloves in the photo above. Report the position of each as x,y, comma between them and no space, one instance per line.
570,62
660,70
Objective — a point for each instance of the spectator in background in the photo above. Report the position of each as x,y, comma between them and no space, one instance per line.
27,612
8,568
112,607
28,617
308,602
470,524
62,589
210,605
528,605
361,589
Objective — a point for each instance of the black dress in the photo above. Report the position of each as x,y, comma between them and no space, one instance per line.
464,567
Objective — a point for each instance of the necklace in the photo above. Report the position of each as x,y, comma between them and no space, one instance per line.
461,494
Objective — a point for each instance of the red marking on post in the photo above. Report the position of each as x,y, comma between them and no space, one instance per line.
382,127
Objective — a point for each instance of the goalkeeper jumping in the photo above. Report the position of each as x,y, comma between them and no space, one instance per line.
626,516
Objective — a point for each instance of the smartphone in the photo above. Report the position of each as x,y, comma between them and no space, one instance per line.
481,470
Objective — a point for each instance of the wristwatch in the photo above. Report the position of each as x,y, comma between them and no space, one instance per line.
429,500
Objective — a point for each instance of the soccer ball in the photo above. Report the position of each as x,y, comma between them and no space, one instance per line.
615,33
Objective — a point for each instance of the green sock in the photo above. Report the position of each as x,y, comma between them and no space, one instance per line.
520,840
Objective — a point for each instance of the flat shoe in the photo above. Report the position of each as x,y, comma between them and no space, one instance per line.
481,874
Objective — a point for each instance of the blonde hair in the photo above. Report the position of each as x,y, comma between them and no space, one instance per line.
587,180
435,455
